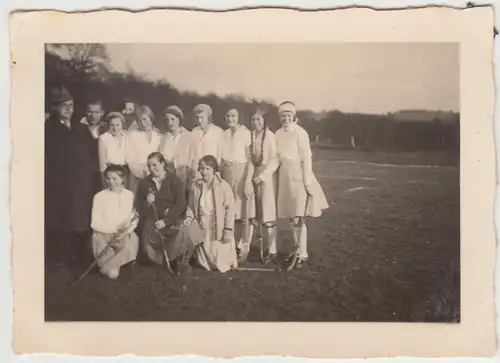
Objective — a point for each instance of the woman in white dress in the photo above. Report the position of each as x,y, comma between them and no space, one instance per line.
264,157
237,171
176,143
211,203
297,184
140,144
114,242
112,144
204,137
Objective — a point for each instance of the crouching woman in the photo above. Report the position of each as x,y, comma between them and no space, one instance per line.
212,206
161,202
114,220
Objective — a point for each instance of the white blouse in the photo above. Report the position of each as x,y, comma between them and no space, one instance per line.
138,149
205,143
111,210
177,149
235,147
207,201
112,150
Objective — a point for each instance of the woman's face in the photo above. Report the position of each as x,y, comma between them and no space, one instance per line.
115,126
173,121
114,181
232,118
146,123
206,171
202,119
156,167
287,119
257,122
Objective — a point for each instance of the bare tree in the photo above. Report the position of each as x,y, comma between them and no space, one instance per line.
83,61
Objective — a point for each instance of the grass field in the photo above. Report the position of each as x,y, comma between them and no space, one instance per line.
388,249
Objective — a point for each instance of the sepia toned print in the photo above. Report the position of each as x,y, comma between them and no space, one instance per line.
225,179
361,197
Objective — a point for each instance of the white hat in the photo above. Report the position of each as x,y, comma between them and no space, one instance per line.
287,107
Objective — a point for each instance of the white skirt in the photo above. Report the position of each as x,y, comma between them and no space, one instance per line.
234,175
215,255
292,193
265,194
114,258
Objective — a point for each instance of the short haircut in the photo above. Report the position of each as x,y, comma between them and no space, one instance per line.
145,110
112,115
94,101
211,161
118,169
158,156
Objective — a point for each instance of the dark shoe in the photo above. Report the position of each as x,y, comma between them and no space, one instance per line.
184,268
271,258
301,262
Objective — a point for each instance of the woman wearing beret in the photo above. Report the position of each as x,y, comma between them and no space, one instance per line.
140,144
176,143
297,184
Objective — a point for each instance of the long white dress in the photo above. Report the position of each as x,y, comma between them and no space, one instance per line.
295,158
111,211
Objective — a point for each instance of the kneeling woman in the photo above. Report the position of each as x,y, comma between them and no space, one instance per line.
161,202
211,203
114,242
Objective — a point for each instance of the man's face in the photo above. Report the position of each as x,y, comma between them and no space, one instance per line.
94,113
64,110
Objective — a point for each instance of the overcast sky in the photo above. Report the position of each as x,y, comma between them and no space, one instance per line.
367,78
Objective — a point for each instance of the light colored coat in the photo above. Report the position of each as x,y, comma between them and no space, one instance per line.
223,203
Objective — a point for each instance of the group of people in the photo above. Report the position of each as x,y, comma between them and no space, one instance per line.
122,187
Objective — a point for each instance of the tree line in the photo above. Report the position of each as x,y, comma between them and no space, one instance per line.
86,74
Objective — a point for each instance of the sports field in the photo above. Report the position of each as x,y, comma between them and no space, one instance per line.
388,249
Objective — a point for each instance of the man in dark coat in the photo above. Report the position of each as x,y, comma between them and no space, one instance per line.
57,174
71,180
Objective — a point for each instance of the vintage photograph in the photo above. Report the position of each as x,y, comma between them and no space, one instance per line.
265,182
